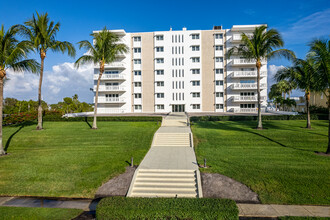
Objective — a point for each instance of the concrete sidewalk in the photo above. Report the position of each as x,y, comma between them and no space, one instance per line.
271,210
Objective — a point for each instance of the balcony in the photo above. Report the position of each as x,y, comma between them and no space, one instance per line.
115,65
104,88
247,98
245,110
243,62
237,38
247,74
110,77
111,100
244,86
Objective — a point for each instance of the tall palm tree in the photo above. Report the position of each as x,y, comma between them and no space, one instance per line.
303,74
320,54
41,33
262,45
13,56
104,51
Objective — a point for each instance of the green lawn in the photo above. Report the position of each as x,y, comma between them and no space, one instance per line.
37,213
68,158
278,163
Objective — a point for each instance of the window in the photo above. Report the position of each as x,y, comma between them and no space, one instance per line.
195,59
137,107
137,50
159,37
160,60
195,48
160,107
160,49
137,73
160,72
219,59
219,82
112,72
137,61
137,95
196,106
196,94
219,94
218,36
218,47
247,105
137,84
137,39
219,106
160,95
195,83
195,71
219,71
195,36
160,83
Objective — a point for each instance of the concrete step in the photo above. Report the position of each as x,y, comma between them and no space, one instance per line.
168,195
172,139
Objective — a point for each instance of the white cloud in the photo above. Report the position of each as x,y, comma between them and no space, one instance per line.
308,28
62,81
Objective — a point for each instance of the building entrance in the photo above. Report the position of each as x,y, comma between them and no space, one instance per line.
178,108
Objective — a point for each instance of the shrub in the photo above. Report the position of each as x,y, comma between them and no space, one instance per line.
166,208
254,118
19,118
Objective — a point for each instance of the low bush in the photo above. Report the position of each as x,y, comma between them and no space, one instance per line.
253,118
19,118
166,208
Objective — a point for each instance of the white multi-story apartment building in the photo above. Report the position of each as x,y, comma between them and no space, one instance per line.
174,71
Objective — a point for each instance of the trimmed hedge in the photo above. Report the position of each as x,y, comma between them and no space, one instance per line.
101,118
254,118
166,208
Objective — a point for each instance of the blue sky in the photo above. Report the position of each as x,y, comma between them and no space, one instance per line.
298,21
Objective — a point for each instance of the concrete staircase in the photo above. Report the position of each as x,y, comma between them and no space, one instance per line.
165,183
172,139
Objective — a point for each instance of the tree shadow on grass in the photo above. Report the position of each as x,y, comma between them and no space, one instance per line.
20,127
86,120
233,126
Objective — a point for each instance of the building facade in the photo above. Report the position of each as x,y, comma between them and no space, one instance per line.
177,71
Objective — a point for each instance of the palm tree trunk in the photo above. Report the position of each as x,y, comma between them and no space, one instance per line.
258,92
328,150
307,95
97,95
2,150
42,56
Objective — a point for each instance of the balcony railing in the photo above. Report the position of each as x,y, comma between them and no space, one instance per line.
247,98
115,65
110,76
110,88
243,62
111,99
245,110
247,86
238,37
240,74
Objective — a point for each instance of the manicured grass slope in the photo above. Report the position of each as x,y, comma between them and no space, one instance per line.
37,213
166,208
68,158
278,163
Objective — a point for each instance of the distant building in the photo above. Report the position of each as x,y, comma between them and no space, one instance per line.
318,99
181,71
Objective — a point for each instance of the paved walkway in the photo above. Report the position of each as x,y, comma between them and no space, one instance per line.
170,168
261,210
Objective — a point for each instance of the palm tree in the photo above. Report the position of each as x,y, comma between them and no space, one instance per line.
302,74
320,54
275,95
106,48
261,46
13,56
41,33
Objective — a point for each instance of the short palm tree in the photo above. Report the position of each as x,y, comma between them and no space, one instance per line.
320,54
41,33
13,56
262,45
104,51
303,74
